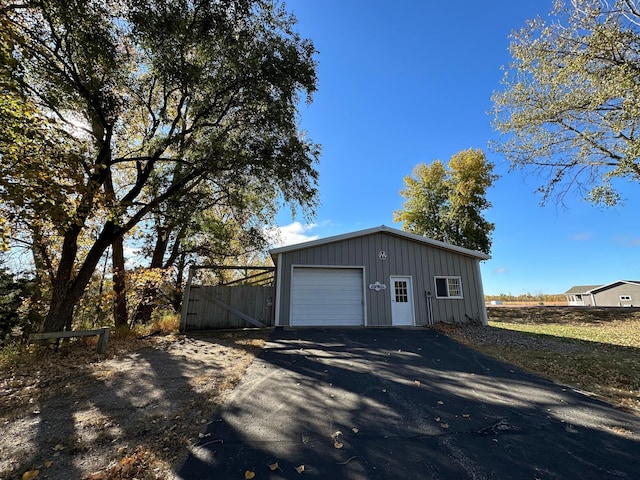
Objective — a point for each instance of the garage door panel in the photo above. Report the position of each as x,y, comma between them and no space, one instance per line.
326,296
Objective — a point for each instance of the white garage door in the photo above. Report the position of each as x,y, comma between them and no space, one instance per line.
326,296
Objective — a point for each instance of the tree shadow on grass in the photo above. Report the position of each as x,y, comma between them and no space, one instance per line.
368,404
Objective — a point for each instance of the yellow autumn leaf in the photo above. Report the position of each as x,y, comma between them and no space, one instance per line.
274,466
30,474
300,468
338,444
248,474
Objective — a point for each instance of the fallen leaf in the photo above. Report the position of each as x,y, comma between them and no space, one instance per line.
338,444
384,390
30,474
440,402
336,434
417,382
466,415
274,466
248,474
355,430
58,447
48,464
300,469
444,425
437,419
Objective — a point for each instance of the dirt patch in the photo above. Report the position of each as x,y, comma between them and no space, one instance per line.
134,414
558,314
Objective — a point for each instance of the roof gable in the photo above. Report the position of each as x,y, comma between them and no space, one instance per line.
599,288
382,229
581,289
615,284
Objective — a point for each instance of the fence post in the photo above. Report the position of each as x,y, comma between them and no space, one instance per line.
103,339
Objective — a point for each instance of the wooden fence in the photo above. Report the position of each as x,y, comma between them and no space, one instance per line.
218,307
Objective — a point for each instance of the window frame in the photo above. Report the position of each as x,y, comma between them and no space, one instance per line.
446,279
625,298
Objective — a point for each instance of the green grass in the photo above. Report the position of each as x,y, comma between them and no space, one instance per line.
597,351
619,332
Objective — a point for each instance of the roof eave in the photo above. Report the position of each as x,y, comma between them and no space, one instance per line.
382,228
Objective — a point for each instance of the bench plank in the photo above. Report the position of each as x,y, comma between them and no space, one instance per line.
103,334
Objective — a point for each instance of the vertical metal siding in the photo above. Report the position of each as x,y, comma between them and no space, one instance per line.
404,257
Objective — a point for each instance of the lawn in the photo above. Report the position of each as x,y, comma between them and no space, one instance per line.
594,350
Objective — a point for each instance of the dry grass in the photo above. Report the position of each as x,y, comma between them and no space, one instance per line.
132,413
591,349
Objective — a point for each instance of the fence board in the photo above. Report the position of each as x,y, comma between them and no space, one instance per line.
202,313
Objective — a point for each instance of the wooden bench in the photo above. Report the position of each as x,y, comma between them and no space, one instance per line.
102,333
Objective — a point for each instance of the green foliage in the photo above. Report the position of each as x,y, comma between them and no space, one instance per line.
110,111
446,203
570,108
12,294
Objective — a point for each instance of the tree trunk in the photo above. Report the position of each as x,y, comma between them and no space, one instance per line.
121,316
67,291
149,300
176,300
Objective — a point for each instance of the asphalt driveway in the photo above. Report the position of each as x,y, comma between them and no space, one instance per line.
406,404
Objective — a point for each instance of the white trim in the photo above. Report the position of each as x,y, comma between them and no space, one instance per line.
447,277
278,292
411,298
483,306
385,229
341,267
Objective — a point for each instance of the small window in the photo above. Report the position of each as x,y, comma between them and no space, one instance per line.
402,293
448,287
625,298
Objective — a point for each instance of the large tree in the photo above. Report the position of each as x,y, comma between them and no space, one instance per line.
570,108
140,102
446,203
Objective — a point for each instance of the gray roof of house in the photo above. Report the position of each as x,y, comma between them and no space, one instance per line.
581,289
592,288
390,231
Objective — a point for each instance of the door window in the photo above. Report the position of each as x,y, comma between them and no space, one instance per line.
402,295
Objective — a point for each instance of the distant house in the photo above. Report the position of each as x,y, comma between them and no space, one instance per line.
623,293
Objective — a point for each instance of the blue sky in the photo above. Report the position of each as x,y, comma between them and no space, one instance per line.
406,82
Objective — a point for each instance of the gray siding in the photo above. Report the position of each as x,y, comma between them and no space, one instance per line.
611,296
404,257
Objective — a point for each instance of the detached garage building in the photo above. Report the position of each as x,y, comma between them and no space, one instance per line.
377,277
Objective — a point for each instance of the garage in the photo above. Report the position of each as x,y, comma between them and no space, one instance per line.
378,277
327,297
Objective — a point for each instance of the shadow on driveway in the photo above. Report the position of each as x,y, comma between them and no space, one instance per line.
395,403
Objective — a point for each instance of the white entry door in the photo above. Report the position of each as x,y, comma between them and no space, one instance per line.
401,301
